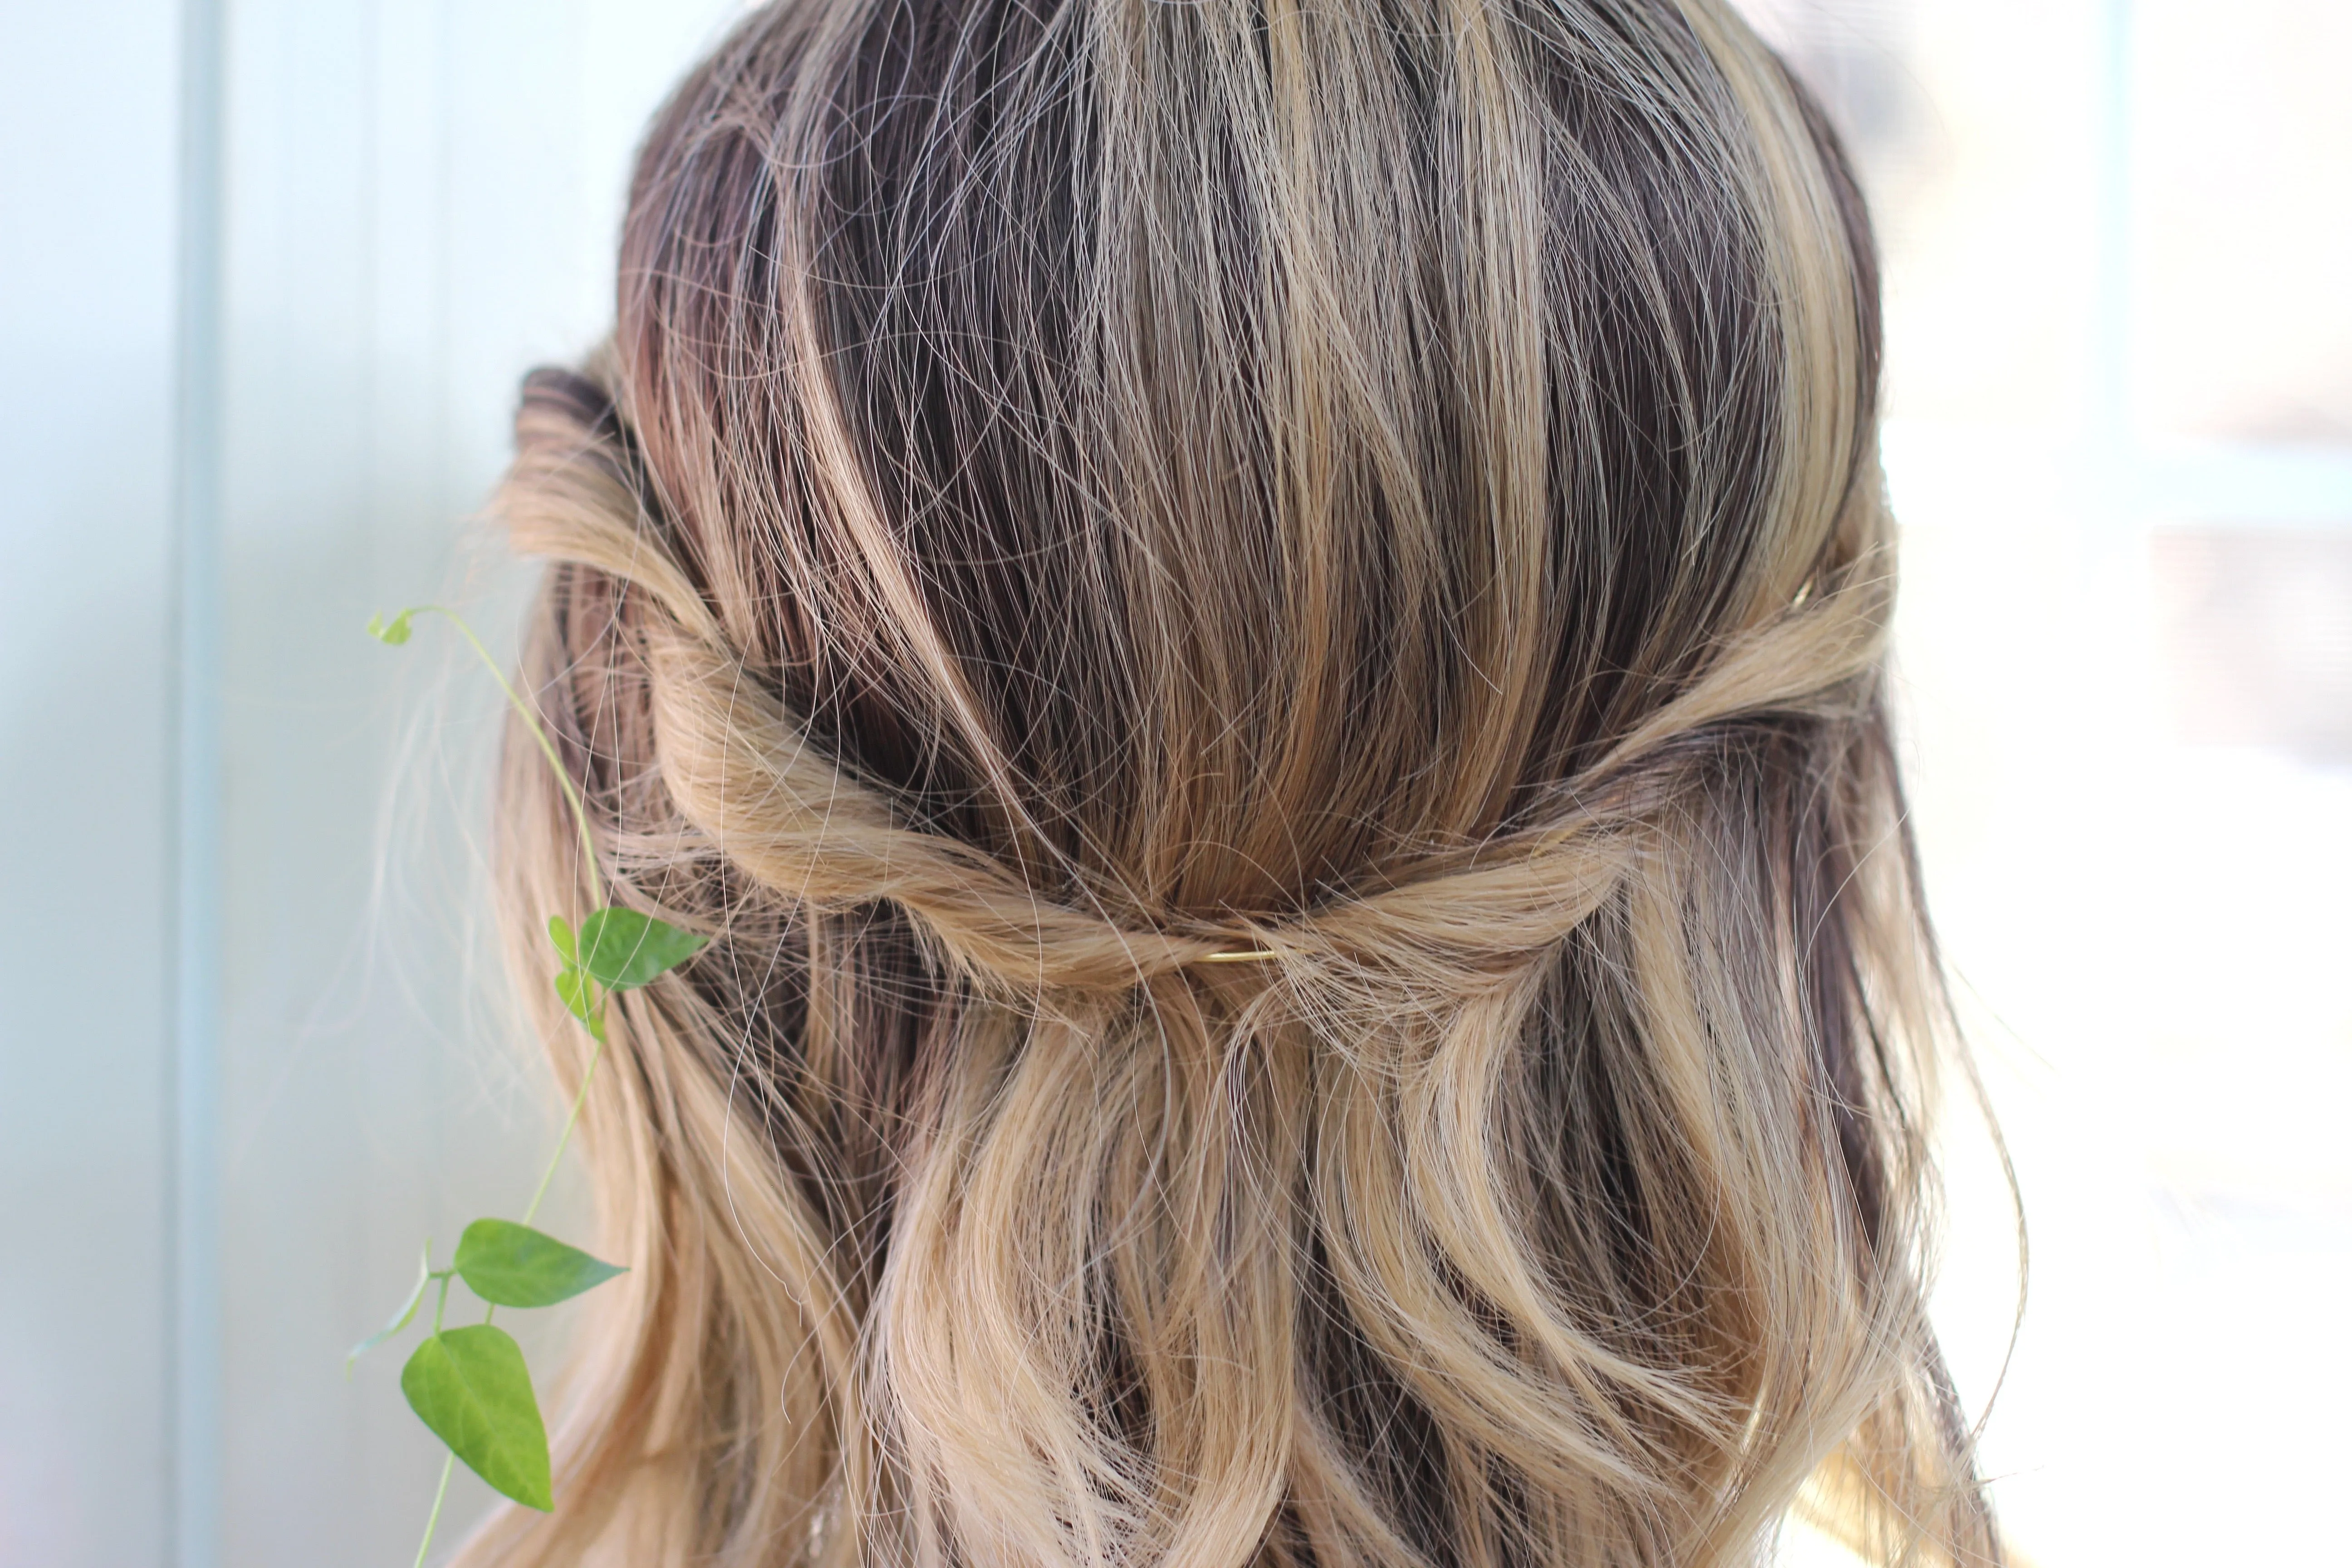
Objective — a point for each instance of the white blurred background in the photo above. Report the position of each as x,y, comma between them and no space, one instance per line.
269,272
2119,439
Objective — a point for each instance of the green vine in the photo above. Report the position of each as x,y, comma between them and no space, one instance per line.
470,1386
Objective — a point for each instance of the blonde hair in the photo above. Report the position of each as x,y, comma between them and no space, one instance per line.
1257,632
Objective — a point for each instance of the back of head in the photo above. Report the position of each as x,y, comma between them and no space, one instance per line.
1258,631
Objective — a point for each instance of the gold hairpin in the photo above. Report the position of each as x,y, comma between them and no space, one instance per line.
1240,955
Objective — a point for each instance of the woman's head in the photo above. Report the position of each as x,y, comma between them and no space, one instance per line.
1257,630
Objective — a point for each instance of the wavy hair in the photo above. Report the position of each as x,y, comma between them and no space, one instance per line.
1257,631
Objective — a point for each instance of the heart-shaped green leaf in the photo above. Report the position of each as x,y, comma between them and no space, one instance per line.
572,986
515,1266
395,631
624,950
559,931
472,1387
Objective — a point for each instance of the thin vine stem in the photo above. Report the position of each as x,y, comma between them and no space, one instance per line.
433,1520
538,732
588,860
563,1140
571,1121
